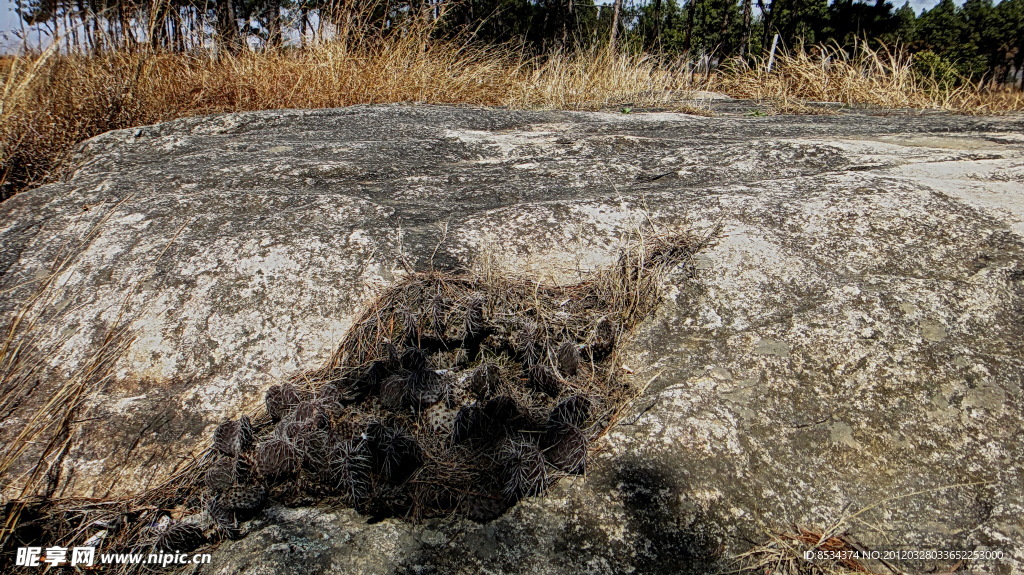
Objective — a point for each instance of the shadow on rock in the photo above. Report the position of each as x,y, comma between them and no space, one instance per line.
672,535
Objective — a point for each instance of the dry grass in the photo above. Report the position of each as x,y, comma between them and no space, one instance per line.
24,362
834,550
43,401
51,101
783,553
883,78
32,453
428,313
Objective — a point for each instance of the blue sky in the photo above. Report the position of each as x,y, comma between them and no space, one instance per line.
9,19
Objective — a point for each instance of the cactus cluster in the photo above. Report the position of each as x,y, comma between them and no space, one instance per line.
450,394
451,398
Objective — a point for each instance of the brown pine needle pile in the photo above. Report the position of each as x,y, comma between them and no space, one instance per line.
453,393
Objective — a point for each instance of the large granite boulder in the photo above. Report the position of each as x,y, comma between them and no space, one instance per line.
851,343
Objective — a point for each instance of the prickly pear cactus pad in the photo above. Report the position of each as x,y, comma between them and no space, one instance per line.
453,393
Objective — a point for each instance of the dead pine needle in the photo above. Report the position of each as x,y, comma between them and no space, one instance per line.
453,393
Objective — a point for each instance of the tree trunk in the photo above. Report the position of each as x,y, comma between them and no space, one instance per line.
745,37
158,25
56,25
657,22
127,32
691,10
724,48
73,35
568,22
273,23
613,36
1020,63
86,17
766,17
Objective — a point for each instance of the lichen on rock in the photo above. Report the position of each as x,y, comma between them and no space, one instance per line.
853,340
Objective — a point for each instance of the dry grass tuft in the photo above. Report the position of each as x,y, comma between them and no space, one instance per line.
784,554
32,456
53,101
872,77
832,550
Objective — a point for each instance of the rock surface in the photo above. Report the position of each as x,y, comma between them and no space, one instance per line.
855,338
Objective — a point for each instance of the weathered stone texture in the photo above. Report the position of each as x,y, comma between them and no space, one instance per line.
854,338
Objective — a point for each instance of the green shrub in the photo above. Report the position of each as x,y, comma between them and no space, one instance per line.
929,66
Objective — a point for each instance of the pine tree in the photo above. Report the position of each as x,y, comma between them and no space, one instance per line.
852,21
796,21
906,24
977,52
1009,17
940,29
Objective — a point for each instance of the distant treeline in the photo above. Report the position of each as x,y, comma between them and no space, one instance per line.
978,40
